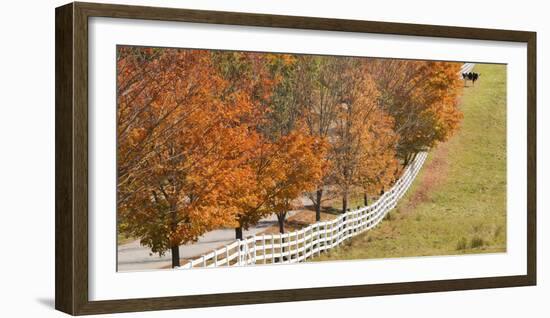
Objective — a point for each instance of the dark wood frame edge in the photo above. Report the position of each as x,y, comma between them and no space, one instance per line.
71,142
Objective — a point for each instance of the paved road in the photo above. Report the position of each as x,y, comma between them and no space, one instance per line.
134,256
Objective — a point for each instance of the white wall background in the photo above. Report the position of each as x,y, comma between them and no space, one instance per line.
27,158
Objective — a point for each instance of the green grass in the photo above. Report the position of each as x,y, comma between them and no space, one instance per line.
457,204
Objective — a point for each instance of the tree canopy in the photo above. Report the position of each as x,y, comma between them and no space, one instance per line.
210,139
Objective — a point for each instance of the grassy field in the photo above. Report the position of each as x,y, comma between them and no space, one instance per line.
457,205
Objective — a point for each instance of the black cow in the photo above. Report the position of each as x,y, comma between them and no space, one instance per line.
470,76
475,77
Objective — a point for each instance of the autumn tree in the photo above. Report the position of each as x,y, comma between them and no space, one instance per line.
359,123
264,78
294,167
181,146
307,93
288,159
212,138
422,98
249,75
318,90
378,168
280,173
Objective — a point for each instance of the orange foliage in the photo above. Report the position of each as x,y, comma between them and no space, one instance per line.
180,146
378,165
363,140
210,139
295,167
422,97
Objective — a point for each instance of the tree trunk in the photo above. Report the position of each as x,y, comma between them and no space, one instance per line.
318,205
239,233
407,160
365,199
173,227
344,203
281,219
175,256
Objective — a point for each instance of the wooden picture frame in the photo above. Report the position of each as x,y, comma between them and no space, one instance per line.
71,142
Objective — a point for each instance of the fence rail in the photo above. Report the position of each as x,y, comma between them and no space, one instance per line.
310,241
466,67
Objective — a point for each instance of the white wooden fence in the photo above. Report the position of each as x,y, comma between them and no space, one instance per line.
466,67
310,241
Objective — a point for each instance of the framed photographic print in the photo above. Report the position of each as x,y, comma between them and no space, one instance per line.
219,158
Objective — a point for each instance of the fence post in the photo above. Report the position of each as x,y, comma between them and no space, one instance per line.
215,258
315,244
305,242
363,220
290,245
272,249
357,221
321,236
311,241
325,240
354,223
289,248
296,235
245,252
297,245
239,257
254,247
354,226
226,255
263,247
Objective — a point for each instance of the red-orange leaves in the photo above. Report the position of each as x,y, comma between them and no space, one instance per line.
181,147
208,139
421,96
295,166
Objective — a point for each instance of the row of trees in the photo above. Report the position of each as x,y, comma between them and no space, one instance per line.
209,139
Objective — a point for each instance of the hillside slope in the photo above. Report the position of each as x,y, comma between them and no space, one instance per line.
458,202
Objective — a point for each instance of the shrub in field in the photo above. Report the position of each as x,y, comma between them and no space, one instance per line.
477,241
462,244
